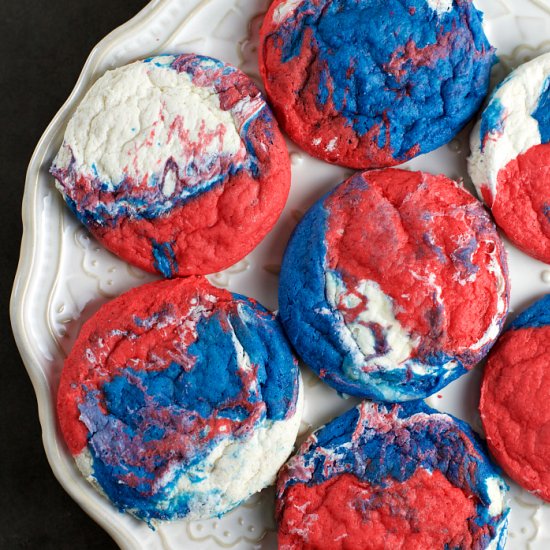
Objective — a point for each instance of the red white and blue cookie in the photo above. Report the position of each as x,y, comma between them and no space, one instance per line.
391,476
373,83
175,163
180,400
515,399
510,159
394,284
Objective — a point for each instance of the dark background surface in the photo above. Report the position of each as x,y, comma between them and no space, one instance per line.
43,46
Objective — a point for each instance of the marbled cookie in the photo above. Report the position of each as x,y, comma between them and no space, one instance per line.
510,159
180,400
373,83
391,476
175,163
515,399
394,284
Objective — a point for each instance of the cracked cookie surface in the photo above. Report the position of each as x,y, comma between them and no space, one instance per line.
368,84
394,284
175,163
179,399
391,476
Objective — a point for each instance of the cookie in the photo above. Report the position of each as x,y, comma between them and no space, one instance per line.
393,285
515,400
374,83
180,400
510,159
395,476
175,163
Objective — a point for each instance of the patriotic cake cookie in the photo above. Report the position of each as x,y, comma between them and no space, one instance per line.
180,400
391,476
175,163
393,285
510,159
373,83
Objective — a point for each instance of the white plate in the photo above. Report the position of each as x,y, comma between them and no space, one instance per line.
64,275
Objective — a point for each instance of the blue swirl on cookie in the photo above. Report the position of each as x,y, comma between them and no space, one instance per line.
173,394
391,476
372,83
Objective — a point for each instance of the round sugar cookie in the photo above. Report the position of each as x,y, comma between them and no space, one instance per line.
374,83
175,163
515,399
180,400
393,285
510,158
391,476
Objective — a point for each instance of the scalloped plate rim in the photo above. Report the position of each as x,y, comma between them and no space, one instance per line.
24,279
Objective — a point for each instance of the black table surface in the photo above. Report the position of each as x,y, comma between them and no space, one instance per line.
43,44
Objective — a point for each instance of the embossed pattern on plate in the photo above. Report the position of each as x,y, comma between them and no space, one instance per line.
64,275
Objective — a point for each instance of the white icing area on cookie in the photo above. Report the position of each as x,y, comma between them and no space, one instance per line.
496,493
379,310
283,10
235,470
519,96
359,339
135,118
440,6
